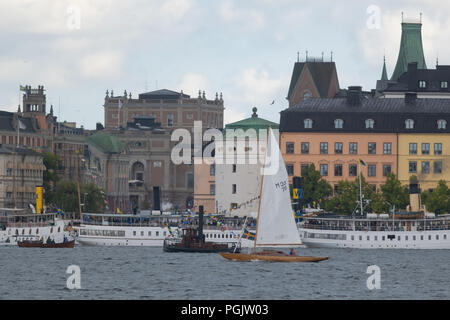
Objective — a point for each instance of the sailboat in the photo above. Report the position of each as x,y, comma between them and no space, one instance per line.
275,226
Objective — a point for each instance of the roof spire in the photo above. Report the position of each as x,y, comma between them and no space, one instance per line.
298,56
411,49
384,72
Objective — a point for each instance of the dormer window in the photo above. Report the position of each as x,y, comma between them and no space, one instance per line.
338,124
370,123
306,95
444,84
409,124
422,84
308,123
442,124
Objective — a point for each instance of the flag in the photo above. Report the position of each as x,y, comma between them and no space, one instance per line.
118,211
248,235
120,104
22,126
362,162
22,88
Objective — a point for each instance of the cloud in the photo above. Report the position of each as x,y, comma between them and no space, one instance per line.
257,86
248,18
101,64
191,83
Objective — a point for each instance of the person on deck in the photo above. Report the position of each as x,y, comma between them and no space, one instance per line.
292,252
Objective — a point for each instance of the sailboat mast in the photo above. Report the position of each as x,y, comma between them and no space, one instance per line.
260,189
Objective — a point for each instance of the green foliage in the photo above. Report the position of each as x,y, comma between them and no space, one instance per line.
345,200
437,201
315,188
66,197
394,193
50,176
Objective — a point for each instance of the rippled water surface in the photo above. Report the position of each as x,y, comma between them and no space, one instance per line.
150,273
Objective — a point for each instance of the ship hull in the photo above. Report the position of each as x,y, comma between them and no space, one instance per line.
269,257
32,244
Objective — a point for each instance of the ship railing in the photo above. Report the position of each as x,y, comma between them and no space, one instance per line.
324,226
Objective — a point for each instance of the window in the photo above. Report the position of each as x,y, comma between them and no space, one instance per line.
387,148
338,147
413,148
425,148
190,180
370,123
170,120
352,170
306,95
372,148
425,167
386,169
338,124
409,124
290,169
338,170
289,147
212,170
412,167
437,167
308,123
324,170
422,84
233,189
438,148
444,84
324,147
442,124
372,170
212,189
353,148
305,147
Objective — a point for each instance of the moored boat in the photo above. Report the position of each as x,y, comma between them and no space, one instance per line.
40,244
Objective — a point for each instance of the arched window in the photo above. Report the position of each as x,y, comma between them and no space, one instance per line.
306,95
370,123
338,124
409,124
308,123
442,124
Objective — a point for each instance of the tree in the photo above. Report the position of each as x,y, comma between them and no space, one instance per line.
315,188
50,176
347,195
437,201
66,197
394,193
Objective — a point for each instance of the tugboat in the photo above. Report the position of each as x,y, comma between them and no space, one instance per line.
193,240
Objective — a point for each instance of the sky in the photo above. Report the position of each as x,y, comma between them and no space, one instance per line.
245,49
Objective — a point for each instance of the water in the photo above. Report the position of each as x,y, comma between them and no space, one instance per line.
149,273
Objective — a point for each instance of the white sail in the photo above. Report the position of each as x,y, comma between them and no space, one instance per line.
276,223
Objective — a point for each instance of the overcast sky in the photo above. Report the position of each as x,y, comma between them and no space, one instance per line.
246,49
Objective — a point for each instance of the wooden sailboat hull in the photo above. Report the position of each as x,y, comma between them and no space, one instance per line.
268,257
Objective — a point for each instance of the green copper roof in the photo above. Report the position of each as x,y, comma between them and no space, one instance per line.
105,142
254,122
384,72
411,49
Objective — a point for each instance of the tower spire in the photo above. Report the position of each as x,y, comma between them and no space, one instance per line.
384,72
411,49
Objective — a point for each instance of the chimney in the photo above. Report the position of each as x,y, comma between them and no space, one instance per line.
412,67
414,196
354,95
410,98
200,223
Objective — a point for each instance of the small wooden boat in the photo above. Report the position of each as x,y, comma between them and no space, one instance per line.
40,244
274,256
275,224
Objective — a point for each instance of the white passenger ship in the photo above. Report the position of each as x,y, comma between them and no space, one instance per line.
377,231
151,230
19,224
